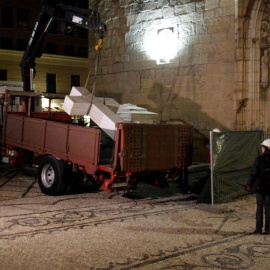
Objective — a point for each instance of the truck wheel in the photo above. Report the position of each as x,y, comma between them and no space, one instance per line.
51,176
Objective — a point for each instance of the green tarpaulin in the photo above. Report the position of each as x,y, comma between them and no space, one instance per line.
234,154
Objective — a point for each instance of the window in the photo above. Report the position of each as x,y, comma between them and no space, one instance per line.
6,43
7,17
3,75
82,33
69,50
21,45
51,83
51,48
69,32
75,80
82,52
22,19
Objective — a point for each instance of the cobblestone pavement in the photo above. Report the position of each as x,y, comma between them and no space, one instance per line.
153,228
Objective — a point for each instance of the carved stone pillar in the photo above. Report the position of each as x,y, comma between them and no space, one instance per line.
265,44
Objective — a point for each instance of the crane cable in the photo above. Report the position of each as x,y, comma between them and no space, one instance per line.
97,61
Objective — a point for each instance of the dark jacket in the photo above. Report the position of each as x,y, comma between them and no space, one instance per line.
259,167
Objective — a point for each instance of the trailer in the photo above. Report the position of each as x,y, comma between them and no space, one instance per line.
67,154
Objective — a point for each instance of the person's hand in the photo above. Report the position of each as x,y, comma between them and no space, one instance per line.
248,188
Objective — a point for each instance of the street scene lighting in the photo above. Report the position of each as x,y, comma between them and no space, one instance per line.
162,45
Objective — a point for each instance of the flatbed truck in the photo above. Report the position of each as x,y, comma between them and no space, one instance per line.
66,154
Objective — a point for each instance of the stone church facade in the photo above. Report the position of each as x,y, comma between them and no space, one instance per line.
212,71
252,65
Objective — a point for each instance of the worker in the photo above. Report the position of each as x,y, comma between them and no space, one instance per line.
259,182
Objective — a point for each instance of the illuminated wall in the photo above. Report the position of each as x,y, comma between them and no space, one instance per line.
176,58
62,66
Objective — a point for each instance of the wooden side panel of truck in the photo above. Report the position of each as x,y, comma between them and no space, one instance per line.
71,143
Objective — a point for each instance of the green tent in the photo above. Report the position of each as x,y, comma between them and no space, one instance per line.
234,154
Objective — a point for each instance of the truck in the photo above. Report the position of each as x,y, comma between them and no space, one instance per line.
66,154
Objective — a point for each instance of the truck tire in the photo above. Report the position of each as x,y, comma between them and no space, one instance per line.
51,178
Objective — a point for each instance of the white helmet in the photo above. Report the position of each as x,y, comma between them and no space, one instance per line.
217,130
266,143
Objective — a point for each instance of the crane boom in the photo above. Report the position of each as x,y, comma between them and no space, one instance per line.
69,17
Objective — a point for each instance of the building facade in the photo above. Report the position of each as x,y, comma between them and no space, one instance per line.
205,63
65,56
201,62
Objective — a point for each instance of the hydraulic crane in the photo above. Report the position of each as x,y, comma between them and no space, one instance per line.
70,17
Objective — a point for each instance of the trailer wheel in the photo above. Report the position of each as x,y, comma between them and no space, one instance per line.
51,176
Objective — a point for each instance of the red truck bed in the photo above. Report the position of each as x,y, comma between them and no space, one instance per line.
137,148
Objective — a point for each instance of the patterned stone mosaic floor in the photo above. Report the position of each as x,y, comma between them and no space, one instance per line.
100,231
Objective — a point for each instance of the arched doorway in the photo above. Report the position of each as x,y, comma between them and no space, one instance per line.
253,67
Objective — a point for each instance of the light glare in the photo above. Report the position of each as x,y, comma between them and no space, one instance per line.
162,45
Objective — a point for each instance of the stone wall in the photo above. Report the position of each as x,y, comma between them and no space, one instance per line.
198,85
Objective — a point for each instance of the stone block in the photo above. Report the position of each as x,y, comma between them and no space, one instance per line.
76,105
79,91
168,12
180,10
118,67
211,4
162,3
230,10
209,14
134,114
227,3
104,118
217,37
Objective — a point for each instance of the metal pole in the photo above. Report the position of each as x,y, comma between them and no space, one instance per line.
211,168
